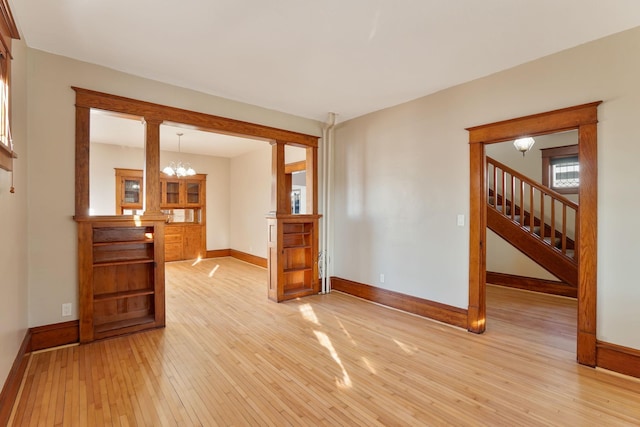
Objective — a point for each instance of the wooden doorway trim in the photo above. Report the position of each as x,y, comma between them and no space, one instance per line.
583,118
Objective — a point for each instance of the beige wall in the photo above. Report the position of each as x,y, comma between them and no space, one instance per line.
51,229
395,213
13,227
250,201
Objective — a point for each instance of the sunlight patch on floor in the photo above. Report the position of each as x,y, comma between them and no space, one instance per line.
308,314
407,348
369,366
324,340
346,333
213,271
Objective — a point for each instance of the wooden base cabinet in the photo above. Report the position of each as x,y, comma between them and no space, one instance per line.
121,273
292,256
184,242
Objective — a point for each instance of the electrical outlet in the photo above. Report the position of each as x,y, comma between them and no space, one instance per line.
66,309
381,278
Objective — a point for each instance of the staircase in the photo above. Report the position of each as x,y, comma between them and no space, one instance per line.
536,220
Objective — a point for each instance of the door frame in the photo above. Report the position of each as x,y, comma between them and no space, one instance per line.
584,119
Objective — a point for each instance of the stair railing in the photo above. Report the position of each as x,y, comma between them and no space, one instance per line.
542,212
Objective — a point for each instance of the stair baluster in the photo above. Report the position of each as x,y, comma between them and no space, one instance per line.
539,214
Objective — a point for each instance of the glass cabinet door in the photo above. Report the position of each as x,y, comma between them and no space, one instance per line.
172,193
193,193
131,191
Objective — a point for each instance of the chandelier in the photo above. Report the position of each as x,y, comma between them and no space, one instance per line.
179,169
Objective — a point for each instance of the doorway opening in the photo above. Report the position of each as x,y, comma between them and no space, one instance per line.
582,118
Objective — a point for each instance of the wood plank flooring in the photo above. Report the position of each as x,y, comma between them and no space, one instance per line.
230,357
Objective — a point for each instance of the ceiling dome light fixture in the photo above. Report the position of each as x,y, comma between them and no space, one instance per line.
180,169
524,144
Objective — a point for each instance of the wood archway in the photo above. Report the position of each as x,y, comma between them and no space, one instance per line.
137,301
583,118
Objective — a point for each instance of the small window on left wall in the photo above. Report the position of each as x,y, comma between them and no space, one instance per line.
6,144
8,31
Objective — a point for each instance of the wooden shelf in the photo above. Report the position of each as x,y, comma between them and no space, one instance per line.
295,270
123,294
123,324
123,262
299,290
296,247
124,242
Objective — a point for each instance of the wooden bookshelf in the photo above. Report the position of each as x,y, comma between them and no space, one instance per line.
293,256
121,277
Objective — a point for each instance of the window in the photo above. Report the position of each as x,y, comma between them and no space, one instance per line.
8,31
6,145
561,169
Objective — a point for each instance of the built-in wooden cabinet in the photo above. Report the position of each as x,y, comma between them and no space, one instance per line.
128,191
183,241
293,256
121,283
182,201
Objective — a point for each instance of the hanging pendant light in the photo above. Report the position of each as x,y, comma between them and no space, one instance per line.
179,169
524,144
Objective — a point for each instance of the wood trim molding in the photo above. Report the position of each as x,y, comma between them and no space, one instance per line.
242,256
49,336
532,284
202,121
14,379
218,253
434,310
536,124
295,167
8,21
619,359
251,259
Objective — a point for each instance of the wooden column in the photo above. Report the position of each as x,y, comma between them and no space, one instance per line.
152,167
83,120
476,313
312,181
280,199
587,233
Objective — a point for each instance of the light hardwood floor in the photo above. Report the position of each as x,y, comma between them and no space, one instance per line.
228,356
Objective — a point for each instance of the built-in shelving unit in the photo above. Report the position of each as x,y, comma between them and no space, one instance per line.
121,283
293,256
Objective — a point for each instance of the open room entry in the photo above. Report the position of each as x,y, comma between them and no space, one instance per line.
584,119
121,257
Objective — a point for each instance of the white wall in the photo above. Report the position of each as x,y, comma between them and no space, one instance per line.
106,157
103,158
402,175
13,226
250,201
52,254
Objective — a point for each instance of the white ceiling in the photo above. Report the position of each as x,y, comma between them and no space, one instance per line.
308,57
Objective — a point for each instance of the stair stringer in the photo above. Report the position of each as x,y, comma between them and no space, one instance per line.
543,254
